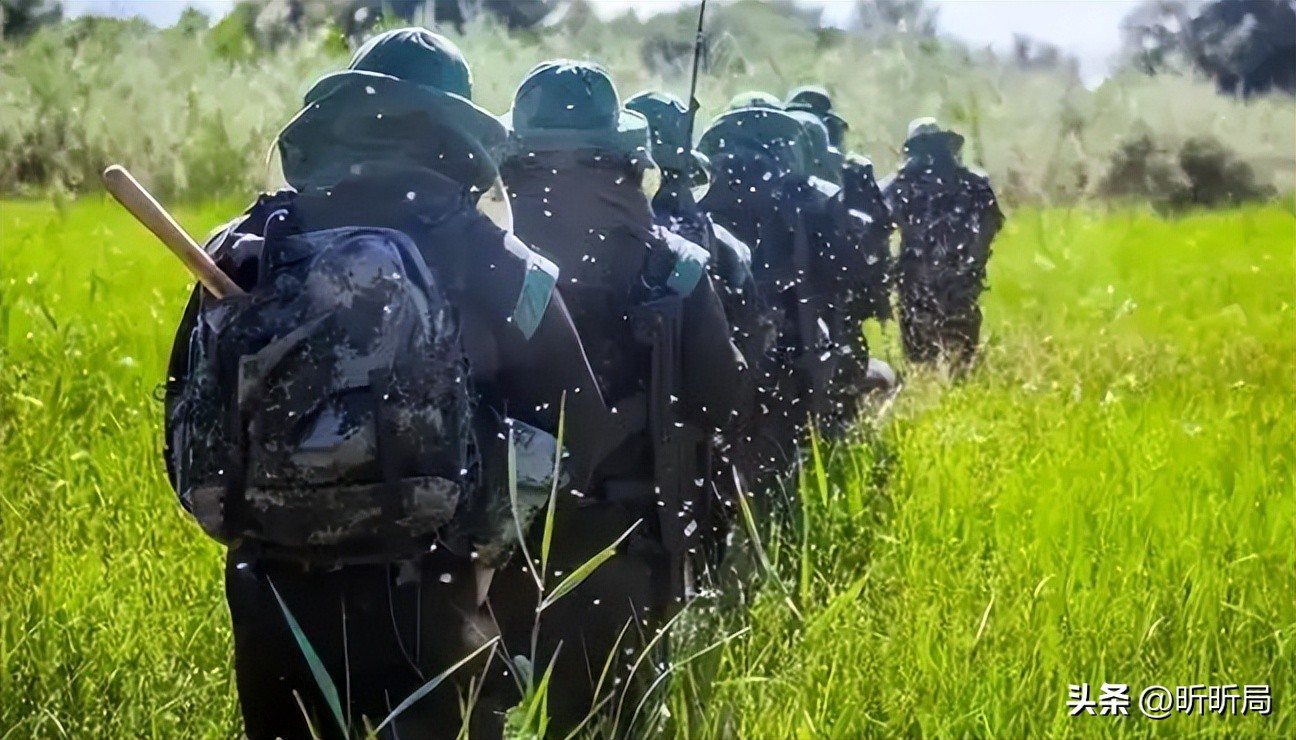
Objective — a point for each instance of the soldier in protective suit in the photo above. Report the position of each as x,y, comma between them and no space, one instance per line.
575,172
863,198
837,244
762,192
675,208
948,216
394,142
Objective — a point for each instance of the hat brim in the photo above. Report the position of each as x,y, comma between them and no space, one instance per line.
836,125
826,115
630,137
340,103
948,138
763,131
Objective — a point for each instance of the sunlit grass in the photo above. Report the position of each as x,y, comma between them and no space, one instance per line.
1109,497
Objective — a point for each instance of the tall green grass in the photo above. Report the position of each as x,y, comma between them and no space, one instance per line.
192,123
1109,497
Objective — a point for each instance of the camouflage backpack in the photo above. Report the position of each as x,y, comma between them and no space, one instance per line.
327,412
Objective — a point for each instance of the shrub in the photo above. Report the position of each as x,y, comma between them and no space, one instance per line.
193,111
1217,176
1203,174
1143,169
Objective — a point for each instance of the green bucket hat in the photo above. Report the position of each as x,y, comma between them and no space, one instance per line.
405,96
767,132
755,99
668,126
826,161
926,135
816,100
565,104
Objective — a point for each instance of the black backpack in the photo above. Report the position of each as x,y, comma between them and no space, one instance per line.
327,412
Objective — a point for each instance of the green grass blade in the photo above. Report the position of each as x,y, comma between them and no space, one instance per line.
322,678
820,468
537,716
432,683
547,540
310,723
578,576
762,556
517,518
679,664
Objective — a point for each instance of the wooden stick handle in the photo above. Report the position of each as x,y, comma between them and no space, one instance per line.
145,208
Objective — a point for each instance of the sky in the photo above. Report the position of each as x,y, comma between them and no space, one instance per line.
1088,29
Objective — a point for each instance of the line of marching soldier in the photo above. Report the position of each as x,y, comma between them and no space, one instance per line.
680,341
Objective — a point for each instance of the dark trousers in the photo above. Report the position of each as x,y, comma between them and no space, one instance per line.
596,636
934,327
380,631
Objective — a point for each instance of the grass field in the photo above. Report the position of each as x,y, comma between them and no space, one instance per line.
1108,498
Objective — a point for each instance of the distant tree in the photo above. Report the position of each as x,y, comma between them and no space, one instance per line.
519,14
19,18
883,17
1154,34
1246,46
1034,54
277,20
192,22
234,36
805,15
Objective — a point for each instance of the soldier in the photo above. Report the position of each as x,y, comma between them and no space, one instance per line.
948,216
394,144
762,193
837,238
675,208
864,199
656,332
814,99
824,160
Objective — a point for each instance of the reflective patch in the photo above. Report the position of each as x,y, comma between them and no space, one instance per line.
537,287
827,188
861,216
686,274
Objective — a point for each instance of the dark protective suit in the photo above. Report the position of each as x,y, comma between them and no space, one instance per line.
771,213
403,623
591,219
676,210
948,216
872,220
838,273
584,210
